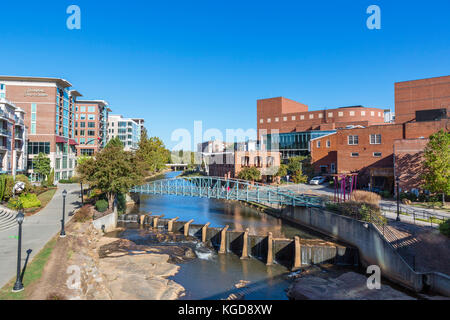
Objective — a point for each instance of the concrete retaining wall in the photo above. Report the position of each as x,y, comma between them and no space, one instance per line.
373,249
107,223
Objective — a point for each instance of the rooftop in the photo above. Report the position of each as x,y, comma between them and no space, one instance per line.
61,82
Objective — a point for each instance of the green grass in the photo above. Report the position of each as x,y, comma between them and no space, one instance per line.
431,205
32,274
431,220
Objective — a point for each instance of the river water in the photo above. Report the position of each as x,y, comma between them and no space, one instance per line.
213,276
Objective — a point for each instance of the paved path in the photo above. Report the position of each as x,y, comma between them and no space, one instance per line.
389,207
37,231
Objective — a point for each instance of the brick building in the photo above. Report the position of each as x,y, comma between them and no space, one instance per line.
370,150
284,116
91,125
49,107
229,164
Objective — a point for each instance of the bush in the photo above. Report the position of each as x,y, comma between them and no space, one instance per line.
366,197
66,181
24,179
101,205
83,214
385,194
121,203
444,228
26,201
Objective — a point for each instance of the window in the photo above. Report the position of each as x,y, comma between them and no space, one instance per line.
363,113
91,109
91,116
311,116
375,139
320,115
372,113
277,119
270,161
352,140
261,120
341,114
379,114
352,113
293,118
38,147
284,118
82,124
377,154
91,133
269,120
330,114
302,117
82,109
87,152
318,143
82,117
328,143
258,162
33,118
245,161
354,154
58,164
82,132
91,124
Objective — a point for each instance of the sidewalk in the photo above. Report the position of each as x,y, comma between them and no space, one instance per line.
37,230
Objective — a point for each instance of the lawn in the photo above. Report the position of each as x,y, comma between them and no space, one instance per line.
432,205
45,198
33,273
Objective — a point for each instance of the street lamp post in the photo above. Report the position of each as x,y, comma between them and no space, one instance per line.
63,232
18,286
397,180
81,194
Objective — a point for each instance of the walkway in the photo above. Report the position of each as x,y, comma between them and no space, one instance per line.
37,231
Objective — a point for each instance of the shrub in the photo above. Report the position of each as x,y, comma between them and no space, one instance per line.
51,177
366,197
66,181
2,186
385,194
444,228
101,205
8,188
83,214
26,201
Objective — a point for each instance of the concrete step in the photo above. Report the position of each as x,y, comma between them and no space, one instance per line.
7,220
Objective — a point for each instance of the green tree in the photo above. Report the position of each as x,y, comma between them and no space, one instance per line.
42,165
437,164
299,168
113,171
250,174
152,153
282,171
51,178
114,142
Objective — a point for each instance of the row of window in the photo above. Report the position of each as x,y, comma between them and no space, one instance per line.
320,116
83,124
83,108
354,139
90,133
84,117
375,154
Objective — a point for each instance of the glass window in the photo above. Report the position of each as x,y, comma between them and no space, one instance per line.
354,154
91,109
91,133
353,140
91,116
82,117
33,128
91,124
377,154
82,109
375,139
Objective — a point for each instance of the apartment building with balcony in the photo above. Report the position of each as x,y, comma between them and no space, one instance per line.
49,107
13,138
128,131
91,126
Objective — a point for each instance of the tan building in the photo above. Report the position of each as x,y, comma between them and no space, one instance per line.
229,164
128,131
91,125
49,108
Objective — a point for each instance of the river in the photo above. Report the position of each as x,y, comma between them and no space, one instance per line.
213,276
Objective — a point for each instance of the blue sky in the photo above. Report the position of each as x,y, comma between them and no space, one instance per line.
174,62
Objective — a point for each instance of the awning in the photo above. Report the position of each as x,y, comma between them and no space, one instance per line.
60,140
73,142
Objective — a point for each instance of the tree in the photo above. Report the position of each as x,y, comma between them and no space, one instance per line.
115,142
282,171
300,168
250,174
42,165
152,153
113,171
437,164
51,178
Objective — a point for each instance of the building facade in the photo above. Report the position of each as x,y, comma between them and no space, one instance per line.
229,164
128,131
49,107
13,139
91,126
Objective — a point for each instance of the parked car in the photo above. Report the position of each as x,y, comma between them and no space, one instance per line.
317,180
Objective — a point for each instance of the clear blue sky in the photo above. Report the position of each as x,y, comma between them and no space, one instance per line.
174,62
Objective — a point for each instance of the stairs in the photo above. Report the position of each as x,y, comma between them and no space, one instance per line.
7,219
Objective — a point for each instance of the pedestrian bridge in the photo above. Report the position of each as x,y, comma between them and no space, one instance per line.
227,189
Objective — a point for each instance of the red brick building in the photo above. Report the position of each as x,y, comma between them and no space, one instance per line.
370,150
91,124
423,94
285,115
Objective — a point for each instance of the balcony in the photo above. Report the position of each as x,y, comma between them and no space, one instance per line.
5,132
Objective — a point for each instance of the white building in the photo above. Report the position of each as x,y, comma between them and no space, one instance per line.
127,129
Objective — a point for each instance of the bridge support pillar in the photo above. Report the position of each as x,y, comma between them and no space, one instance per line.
297,254
155,221
223,240
142,219
170,224
245,245
204,229
269,249
186,227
